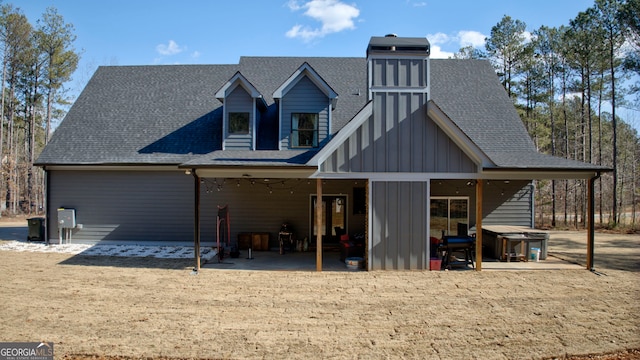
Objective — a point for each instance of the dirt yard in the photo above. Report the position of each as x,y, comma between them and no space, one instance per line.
107,307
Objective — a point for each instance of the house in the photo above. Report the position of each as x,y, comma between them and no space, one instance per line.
399,147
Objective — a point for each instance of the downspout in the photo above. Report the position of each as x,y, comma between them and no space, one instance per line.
196,222
532,201
47,191
591,218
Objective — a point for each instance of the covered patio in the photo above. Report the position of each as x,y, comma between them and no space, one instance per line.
321,259
306,261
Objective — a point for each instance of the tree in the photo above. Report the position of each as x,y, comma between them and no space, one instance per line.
607,15
629,17
505,47
36,63
530,90
55,40
469,52
554,81
547,49
16,37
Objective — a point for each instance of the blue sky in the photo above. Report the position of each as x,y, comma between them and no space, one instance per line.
128,32
138,32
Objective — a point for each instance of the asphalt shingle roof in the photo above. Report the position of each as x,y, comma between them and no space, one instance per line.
168,115
470,93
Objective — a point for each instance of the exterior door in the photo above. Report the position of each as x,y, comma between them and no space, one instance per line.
334,218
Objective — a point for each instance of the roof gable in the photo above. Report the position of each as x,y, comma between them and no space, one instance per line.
409,142
306,70
239,80
454,133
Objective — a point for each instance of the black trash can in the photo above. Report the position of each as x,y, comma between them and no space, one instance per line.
36,229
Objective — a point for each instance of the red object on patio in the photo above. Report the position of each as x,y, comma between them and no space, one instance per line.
350,248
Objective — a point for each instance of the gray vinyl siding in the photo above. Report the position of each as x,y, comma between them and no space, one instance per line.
511,205
399,72
304,97
399,137
239,101
503,203
124,205
398,230
253,208
140,206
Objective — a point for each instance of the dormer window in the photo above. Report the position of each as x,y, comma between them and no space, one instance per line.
305,105
239,123
304,130
243,105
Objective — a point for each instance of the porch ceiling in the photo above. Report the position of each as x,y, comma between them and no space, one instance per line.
258,173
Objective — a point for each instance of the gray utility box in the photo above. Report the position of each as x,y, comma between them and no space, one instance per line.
66,218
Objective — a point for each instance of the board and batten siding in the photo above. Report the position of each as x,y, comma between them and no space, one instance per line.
399,239
239,100
399,137
124,205
400,72
304,97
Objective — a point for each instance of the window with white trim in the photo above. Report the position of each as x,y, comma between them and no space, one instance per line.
449,216
304,130
239,123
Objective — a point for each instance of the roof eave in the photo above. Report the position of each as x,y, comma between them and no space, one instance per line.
250,172
539,173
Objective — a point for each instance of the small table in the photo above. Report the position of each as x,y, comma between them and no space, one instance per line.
451,244
508,242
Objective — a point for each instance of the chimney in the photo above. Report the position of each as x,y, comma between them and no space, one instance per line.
393,43
398,64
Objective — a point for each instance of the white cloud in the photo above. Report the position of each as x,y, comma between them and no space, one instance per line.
438,53
463,38
438,38
293,5
470,37
196,54
170,49
334,16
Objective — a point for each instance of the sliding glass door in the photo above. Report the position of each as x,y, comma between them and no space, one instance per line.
449,216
